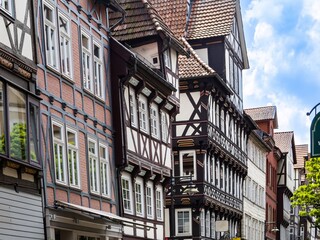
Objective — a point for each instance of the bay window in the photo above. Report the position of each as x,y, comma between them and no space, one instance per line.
19,115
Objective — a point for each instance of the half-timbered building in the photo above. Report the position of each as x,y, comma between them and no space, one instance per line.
144,72
267,120
210,132
285,182
254,188
20,169
76,128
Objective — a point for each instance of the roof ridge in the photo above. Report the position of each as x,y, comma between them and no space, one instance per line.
272,106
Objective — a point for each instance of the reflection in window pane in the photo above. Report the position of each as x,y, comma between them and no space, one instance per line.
2,126
33,133
17,127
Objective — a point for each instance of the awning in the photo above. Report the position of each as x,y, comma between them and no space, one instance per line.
109,216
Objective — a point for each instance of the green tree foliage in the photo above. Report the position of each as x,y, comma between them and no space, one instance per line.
307,197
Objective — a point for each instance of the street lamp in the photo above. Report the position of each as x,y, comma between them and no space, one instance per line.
186,188
274,229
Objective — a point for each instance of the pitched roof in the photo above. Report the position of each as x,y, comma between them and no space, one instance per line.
301,152
263,113
211,18
174,13
141,20
283,140
193,66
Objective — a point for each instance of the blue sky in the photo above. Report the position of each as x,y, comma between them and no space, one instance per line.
283,44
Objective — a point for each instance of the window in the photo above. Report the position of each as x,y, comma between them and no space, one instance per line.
65,45
183,222
159,203
59,152
166,59
202,222
7,5
164,127
126,193
95,83
143,114
73,161
93,166
50,35
154,117
149,199
19,124
188,164
208,224
133,108
86,62
139,196
98,70
213,225
104,170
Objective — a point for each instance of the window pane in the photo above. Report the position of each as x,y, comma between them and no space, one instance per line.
2,123
33,133
17,128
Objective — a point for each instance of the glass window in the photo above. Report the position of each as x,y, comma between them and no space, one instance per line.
164,127
188,164
73,162
202,222
65,45
98,70
126,194
18,124
159,203
59,153
154,121
133,108
93,166
183,222
2,121
50,35
143,114
167,59
105,170
86,63
139,195
149,200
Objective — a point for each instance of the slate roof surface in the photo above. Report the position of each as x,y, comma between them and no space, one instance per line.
301,152
142,20
283,140
211,18
193,66
174,13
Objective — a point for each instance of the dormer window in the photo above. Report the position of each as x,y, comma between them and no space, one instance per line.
166,58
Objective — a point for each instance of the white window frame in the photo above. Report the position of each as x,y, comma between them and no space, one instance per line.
193,152
94,167
164,127
86,54
9,8
208,221
105,173
127,207
143,114
65,50
202,223
98,73
133,107
51,55
213,225
150,200
139,197
159,203
60,174
73,163
154,120
184,233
